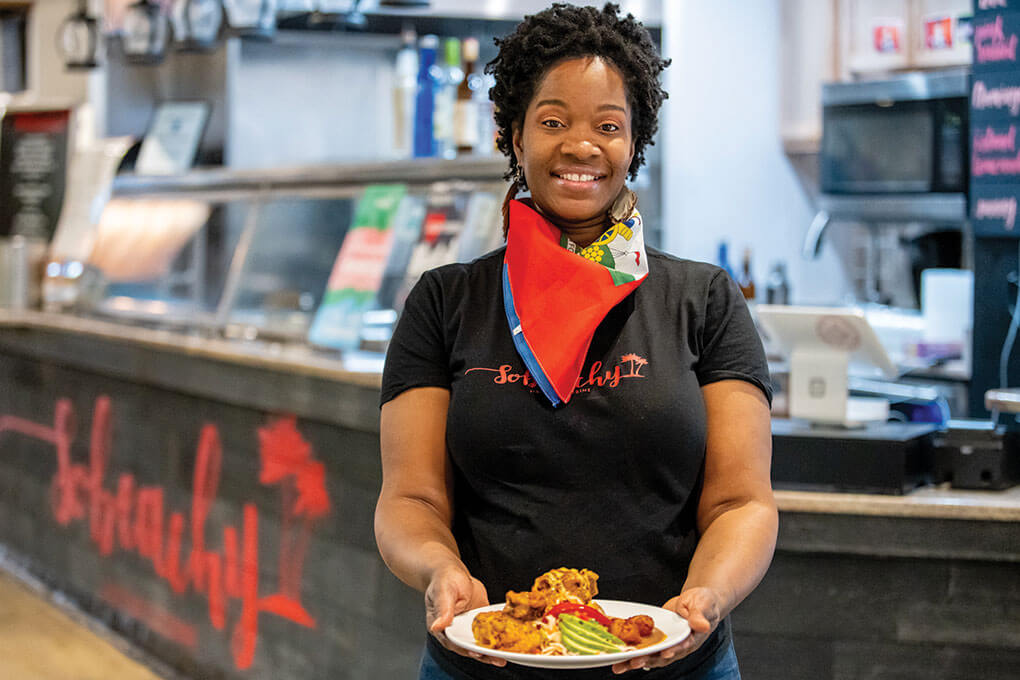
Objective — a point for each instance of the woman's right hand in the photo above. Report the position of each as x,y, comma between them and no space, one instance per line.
452,591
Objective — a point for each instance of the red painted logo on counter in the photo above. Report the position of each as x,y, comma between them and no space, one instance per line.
134,517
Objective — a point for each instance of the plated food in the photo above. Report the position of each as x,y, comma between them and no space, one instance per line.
559,617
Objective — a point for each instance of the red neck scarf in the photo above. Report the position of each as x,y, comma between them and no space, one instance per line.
555,298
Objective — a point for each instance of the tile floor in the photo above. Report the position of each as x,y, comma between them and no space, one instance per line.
39,641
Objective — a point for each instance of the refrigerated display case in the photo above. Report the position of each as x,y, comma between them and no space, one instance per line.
248,254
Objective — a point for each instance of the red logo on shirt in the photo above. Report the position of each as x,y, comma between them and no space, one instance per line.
597,375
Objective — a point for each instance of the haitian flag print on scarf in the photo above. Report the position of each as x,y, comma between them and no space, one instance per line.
556,293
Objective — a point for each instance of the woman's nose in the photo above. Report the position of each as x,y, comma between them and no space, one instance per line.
580,145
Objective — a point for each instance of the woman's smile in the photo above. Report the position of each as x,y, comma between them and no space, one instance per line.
579,180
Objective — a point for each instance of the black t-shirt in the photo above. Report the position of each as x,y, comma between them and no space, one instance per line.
608,482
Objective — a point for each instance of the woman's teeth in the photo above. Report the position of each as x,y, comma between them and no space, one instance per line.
579,178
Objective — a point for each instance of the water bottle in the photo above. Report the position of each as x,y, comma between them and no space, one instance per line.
425,104
451,76
724,259
405,91
777,290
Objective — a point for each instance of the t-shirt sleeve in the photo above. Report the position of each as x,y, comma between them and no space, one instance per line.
417,355
731,346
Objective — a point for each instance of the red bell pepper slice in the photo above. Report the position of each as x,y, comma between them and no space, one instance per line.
581,611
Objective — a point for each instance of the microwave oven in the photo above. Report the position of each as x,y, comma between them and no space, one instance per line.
904,135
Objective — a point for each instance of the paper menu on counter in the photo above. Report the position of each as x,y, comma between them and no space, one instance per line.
407,229
459,225
358,270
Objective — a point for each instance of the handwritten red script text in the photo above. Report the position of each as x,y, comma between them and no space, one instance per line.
133,517
597,375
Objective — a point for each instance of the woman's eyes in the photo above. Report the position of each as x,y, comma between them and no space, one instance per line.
604,127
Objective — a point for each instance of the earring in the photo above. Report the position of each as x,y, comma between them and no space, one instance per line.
623,206
511,193
522,184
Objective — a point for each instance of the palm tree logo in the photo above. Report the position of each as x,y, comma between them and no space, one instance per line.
636,363
287,460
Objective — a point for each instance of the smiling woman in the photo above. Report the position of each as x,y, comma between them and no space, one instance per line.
569,399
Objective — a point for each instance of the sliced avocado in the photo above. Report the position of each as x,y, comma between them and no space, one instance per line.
585,645
589,628
584,637
577,647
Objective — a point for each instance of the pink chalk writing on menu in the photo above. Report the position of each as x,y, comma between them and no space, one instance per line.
980,167
1001,208
134,518
992,44
992,4
990,140
982,97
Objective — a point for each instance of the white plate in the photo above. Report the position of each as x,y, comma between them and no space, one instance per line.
670,623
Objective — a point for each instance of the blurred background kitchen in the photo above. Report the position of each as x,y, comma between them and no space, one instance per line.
212,210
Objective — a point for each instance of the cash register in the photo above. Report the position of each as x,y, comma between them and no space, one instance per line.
833,441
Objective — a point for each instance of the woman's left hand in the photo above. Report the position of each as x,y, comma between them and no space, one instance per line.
701,607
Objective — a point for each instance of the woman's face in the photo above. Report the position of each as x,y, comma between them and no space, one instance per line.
575,144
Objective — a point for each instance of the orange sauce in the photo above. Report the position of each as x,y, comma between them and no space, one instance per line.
655,638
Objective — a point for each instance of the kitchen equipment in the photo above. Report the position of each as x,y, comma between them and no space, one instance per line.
974,454
893,151
903,135
888,458
982,454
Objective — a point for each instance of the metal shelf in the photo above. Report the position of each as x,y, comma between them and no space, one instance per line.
309,179
941,208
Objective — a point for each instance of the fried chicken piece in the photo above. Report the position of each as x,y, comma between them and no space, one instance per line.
568,584
526,606
645,624
633,629
497,630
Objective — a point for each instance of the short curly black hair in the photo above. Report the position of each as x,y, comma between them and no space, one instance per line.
566,31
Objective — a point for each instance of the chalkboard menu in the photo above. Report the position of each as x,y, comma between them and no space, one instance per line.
33,169
994,119
994,192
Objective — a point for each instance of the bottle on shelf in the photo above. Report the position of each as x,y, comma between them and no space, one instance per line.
723,259
465,113
405,90
746,280
486,116
446,99
777,288
425,101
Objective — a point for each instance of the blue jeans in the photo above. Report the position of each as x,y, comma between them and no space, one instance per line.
725,668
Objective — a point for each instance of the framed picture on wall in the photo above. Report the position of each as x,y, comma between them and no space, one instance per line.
171,142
